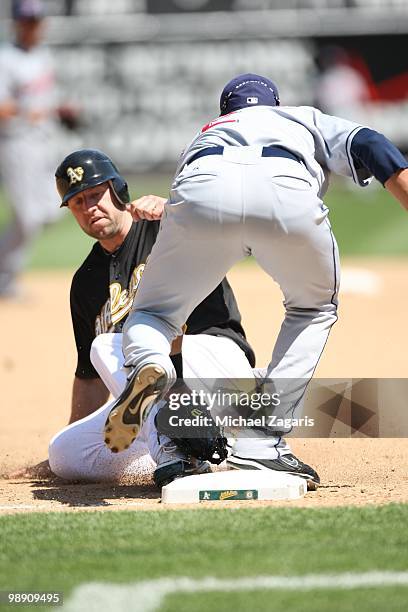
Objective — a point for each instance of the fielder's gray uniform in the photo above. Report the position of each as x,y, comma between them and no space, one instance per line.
227,206
27,156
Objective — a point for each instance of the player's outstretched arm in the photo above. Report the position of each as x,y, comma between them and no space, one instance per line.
397,185
148,207
382,158
88,394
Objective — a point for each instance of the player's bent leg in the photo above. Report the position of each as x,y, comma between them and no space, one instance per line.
211,360
303,259
126,416
78,452
294,244
206,360
175,280
108,360
205,357
213,357
210,357
163,302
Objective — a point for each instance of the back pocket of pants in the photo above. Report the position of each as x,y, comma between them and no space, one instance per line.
296,183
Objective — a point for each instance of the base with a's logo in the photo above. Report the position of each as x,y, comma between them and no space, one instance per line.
233,485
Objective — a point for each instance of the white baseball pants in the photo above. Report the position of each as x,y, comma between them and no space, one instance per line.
78,452
221,209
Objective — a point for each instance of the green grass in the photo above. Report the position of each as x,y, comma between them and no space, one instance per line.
58,551
366,222
370,600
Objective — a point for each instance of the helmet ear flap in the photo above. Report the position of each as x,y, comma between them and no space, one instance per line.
88,168
120,190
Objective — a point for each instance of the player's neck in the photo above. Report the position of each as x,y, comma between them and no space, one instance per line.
112,244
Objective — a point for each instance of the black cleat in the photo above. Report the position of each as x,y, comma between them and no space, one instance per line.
126,416
166,473
286,463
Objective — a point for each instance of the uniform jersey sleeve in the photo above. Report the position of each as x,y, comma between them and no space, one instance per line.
375,152
84,336
334,138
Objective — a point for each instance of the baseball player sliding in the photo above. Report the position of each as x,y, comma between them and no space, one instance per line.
251,183
214,345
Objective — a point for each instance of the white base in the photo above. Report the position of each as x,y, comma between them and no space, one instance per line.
232,485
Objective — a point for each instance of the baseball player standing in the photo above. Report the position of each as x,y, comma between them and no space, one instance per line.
28,108
252,182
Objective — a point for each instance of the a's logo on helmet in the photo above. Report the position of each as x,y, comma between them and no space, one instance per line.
75,175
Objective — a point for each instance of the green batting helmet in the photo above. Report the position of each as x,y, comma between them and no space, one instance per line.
87,168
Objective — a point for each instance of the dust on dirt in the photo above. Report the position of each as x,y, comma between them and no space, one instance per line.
37,361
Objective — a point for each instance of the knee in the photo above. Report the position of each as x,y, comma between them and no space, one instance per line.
329,314
107,358
156,323
324,315
323,309
100,346
63,456
332,312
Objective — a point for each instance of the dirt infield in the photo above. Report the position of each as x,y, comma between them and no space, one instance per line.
37,360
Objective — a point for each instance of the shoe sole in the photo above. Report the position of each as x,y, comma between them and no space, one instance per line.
126,416
247,464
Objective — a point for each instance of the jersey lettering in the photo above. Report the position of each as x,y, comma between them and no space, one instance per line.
118,304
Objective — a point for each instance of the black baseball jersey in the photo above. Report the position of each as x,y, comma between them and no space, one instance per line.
103,289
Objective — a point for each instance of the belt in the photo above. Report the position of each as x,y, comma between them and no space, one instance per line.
271,151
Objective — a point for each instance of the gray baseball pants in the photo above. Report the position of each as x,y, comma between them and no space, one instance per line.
222,209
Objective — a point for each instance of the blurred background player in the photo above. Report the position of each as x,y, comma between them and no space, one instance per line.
341,88
28,119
